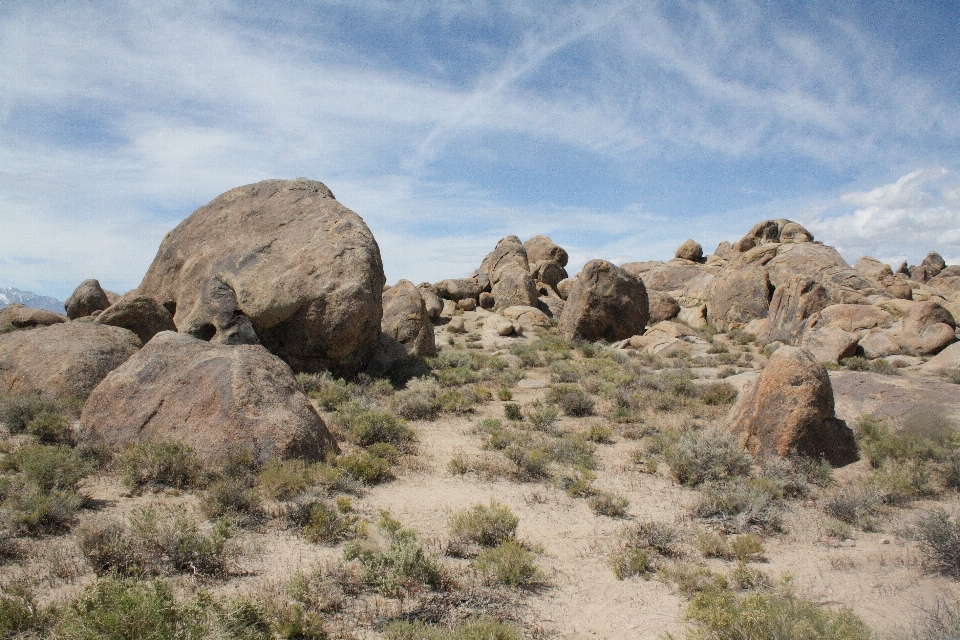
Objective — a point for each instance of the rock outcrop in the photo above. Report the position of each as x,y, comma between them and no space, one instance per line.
605,303
216,398
281,263
63,360
143,315
86,299
690,250
405,319
19,316
789,410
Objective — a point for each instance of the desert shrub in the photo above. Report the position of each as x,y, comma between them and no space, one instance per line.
323,522
328,391
533,462
153,543
578,482
721,614
399,566
738,506
366,467
541,416
572,449
20,615
717,393
856,363
563,371
643,548
504,394
950,471
707,456
161,463
743,548
793,477
365,425
571,399
18,411
600,434
924,434
232,497
513,412
604,503
857,505
475,628
690,579
510,564
485,525
284,479
40,494
631,561
939,538
419,401
899,483
935,621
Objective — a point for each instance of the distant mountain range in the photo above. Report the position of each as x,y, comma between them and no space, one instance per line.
9,295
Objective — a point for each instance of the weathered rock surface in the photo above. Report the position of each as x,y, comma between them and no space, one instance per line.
64,360
874,269
927,328
529,317
793,302
878,344
86,299
509,254
738,294
457,289
949,358
406,320
540,248
605,303
831,344
663,306
20,316
690,250
141,314
216,398
564,287
431,301
853,317
547,272
279,262
514,287
789,410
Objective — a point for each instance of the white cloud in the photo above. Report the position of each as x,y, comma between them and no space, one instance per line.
903,220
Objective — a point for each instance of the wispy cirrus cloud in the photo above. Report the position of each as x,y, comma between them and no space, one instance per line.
617,127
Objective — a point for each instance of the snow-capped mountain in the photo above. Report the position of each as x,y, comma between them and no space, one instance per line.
9,295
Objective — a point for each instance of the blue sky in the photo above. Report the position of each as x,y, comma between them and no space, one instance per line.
618,128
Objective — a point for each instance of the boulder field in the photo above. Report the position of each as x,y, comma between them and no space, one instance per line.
278,277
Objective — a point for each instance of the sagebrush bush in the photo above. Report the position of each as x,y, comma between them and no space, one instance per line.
366,467
923,434
154,543
485,525
512,411
161,463
420,400
510,564
366,425
39,494
399,567
857,505
18,411
939,538
721,614
232,497
717,393
690,579
739,506
325,522
475,628
744,548
571,399
541,416
284,479
707,456
643,549
20,615
608,504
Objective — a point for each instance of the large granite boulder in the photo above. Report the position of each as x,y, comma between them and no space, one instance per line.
218,399
63,360
20,316
789,410
279,262
927,328
431,301
458,289
737,295
514,287
141,314
406,320
508,254
86,299
605,303
540,248
663,306
793,302
690,250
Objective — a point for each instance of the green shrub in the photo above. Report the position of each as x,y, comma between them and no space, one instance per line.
400,567
284,479
155,543
573,449
562,371
857,505
541,416
691,580
939,538
511,564
51,428
232,497
631,561
326,523
504,394
571,399
925,434
899,483
18,411
707,456
162,463
512,412
48,468
20,615
608,504
365,425
41,494
717,393
600,434
738,506
578,483
744,548
476,628
328,392
366,467
485,525
420,400
856,363
533,462
720,614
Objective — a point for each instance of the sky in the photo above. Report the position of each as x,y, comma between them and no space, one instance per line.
619,129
